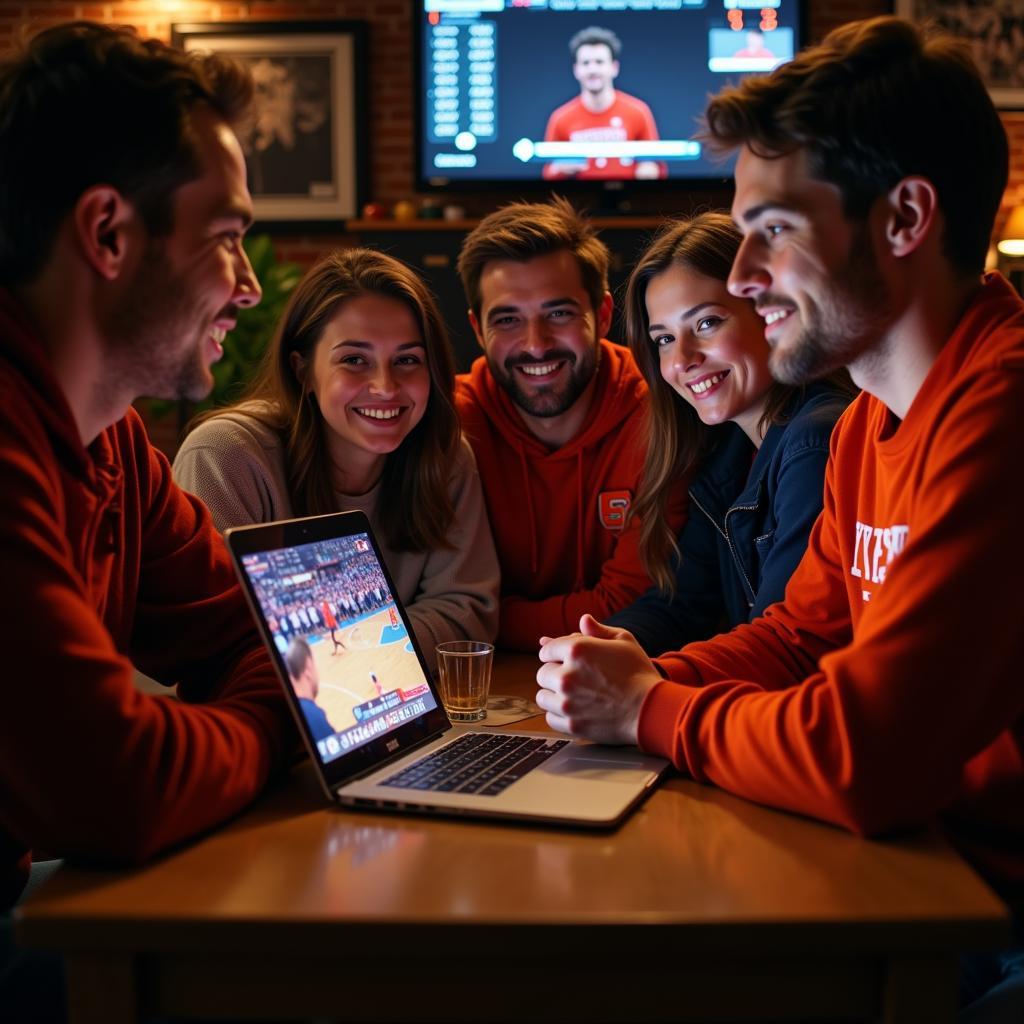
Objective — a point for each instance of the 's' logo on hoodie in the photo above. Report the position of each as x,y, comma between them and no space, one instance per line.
613,508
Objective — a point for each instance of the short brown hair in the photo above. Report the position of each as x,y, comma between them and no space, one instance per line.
85,104
521,231
297,656
876,101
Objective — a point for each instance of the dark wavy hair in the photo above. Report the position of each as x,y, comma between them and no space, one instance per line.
876,101
418,512
85,104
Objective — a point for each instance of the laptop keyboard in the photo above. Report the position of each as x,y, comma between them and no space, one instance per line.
477,762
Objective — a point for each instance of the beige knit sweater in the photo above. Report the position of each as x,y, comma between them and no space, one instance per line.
235,464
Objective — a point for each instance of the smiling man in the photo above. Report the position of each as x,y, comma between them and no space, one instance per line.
123,203
554,415
884,690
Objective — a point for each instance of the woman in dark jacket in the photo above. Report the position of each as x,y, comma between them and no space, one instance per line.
761,446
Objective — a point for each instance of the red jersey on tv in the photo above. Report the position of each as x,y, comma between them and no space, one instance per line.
626,120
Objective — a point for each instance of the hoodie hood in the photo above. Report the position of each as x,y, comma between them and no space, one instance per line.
22,351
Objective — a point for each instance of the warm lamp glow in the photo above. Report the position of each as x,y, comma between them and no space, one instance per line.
1012,242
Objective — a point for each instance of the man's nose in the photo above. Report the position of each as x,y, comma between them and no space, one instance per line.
748,277
247,287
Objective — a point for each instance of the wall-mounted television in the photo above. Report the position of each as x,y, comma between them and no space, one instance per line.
585,93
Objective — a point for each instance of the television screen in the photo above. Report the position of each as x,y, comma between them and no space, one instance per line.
588,91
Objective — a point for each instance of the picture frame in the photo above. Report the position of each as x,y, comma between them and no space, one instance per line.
994,30
306,149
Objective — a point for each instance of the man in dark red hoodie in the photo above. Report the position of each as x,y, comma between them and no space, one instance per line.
123,202
554,413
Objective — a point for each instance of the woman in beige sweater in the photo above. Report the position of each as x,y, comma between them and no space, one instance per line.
352,409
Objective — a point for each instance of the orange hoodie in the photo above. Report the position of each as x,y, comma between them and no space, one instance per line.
558,516
885,688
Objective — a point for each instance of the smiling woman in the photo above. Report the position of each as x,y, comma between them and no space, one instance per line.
761,445
352,410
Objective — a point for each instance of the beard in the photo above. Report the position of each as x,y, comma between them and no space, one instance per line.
156,336
548,400
837,331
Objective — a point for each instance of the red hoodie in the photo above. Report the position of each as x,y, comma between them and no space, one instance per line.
558,516
107,563
885,688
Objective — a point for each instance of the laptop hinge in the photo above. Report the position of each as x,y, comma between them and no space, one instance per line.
391,758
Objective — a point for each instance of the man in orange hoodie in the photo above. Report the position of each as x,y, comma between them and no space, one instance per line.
554,414
123,203
884,690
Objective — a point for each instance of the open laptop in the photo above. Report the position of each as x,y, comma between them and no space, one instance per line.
369,711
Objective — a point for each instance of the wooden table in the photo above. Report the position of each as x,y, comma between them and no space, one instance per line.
702,907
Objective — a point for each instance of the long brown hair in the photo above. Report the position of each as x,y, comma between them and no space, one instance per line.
417,512
674,434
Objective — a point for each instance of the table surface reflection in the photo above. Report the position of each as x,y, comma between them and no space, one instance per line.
701,906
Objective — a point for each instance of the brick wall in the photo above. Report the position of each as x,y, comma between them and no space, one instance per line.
391,110
391,62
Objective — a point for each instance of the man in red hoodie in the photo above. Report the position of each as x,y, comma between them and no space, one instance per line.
123,203
554,414
884,690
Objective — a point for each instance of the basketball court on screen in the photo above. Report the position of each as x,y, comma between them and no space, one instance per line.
378,659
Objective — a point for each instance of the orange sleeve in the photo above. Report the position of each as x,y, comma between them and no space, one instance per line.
876,727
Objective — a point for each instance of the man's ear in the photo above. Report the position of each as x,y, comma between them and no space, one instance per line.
604,315
912,209
102,218
475,324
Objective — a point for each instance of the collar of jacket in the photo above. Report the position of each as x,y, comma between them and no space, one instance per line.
726,481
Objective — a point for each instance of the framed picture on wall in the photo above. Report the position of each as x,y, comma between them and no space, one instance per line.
995,31
305,149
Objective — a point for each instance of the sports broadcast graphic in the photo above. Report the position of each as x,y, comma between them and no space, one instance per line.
344,646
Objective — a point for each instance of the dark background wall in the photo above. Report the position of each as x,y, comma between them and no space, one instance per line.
391,125
391,85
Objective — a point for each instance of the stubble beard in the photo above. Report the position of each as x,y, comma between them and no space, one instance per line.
156,337
550,402
843,327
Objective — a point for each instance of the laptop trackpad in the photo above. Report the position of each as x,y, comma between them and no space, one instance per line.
602,765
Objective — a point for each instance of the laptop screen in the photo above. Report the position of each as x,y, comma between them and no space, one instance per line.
347,655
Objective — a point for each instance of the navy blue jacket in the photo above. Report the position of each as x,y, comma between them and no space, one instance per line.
747,527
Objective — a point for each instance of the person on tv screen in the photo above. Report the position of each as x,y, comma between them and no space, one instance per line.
553,411
305,680
754,47
883,692
600,113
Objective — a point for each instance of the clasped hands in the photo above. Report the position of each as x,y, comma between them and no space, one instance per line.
593,683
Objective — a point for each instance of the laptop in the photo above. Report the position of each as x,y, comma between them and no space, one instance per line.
370,712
